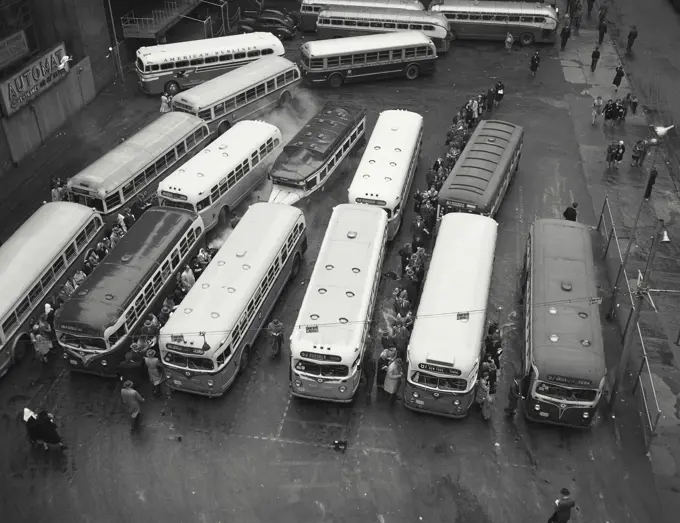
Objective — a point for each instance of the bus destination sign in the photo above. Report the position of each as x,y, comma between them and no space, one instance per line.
368,201
320,357
563,380
440,370
184,350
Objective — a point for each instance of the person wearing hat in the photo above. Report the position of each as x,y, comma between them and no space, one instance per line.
153,367
129,369
563,506
164,316
620,151
41,343
187,279
132,399
570,212
387,356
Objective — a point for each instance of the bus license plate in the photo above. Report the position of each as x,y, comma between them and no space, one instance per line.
177,382
420,402
544,414
73,362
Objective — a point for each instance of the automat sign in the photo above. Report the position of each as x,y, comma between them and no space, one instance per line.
32,80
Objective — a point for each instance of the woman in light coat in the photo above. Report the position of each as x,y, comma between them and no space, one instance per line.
393,379
153,366
42,344
482,396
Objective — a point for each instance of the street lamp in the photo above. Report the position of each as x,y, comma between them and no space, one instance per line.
642,290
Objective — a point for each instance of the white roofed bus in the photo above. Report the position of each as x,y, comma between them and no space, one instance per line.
170,68
310,9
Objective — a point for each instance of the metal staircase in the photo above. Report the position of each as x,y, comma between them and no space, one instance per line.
159,21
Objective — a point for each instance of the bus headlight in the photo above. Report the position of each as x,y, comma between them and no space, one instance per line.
456,402
342,388
104,363
415,394
537,407
65,356
586,415
298,383
167,375
211,383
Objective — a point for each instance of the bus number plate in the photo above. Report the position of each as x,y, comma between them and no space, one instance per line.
544,414
420,402
312,328
177,382
73,362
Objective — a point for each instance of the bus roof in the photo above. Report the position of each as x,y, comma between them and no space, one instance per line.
35,246
317,140
386,162
221,295
232,82
487,6
112,286
384,13
475,177
412,5
564,286
339,291
127,159
457,283
219,158
157,54
373,42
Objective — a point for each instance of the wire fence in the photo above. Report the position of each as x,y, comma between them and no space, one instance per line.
643,388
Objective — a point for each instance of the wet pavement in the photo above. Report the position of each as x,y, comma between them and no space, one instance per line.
257,455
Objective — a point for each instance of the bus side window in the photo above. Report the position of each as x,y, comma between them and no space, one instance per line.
70,253
397,54
239,56
230,105
155,67
253,54
246,167
290,76
390,25
513,18
197,61
128,190
350,23
270,145
175,259
203,204
267,51
263,150
421,51
182,63
140,182
165,271
254,158
487,17
361,127
383,56
260,90
402,26
219,110
211,60
225,57
527,19
241,100
231,179
461,16
181,150
215,193
167,66
112,201
409,52
271,86
310,183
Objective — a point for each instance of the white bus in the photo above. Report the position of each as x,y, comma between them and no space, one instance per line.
310,9
216,180
355,21
447,341
242,94
528,22
137,165
209,338
172,67
34,262
388,166
329,338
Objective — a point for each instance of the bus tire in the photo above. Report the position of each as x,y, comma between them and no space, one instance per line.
223,217
526,39
336,80
412,72
295,270
172,88
245,358
285,99
223,127
21,348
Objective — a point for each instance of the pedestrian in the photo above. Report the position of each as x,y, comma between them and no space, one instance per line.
598,104
490,97
633,104
153,367
617,77
576,15
611,155
401,306
368,371
489,367
130,368
87,268
41,343
116,236
393,379
275,329
56,193
165,103
563,506
187,279
601,30
417,201
594,58
79,277
31,422
638,147
482,396
514,394
509,40
45,430
419,232
564,36
632,35
131,398
386,357
570,212
625,104
602,13
401,337
405,254
650,182
534,63
608,110
500,92
591,3
620,151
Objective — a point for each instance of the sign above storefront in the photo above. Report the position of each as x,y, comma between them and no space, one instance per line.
33,80
13,48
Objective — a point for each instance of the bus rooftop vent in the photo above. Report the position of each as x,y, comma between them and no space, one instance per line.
566,286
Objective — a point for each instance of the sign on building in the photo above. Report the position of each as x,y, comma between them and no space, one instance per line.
13,48
33,80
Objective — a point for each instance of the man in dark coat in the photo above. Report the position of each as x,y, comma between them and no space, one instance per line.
632,35
514,395
368,371
594,58
570,212
564,36
405,255
601,30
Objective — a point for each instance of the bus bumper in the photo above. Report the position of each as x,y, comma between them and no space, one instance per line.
194,387
105,366
559,414
442,405
326,391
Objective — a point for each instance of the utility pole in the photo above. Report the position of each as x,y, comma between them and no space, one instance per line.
640,294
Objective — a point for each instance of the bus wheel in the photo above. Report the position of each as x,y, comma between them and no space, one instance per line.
296,267
285,99
20,348
336,80
223,218
223,127
526,39
172,88
412,72
245,358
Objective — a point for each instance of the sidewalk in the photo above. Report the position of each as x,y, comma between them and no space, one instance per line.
624,188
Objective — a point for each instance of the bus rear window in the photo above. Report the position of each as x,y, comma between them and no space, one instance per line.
325,370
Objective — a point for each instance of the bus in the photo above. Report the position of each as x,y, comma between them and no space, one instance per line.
563,359
330,336
244,94
34,263
354,21
527,22
111,305
309,9
481,176
136,165
408,54
170,68
308,160
209,339
445,350
387,168
216,180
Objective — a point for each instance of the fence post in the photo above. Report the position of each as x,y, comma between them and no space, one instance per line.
604,206
630,315
637,380
609,240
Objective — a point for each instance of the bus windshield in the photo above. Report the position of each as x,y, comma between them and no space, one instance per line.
435,382
189,362
83,342
322,369
565,393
